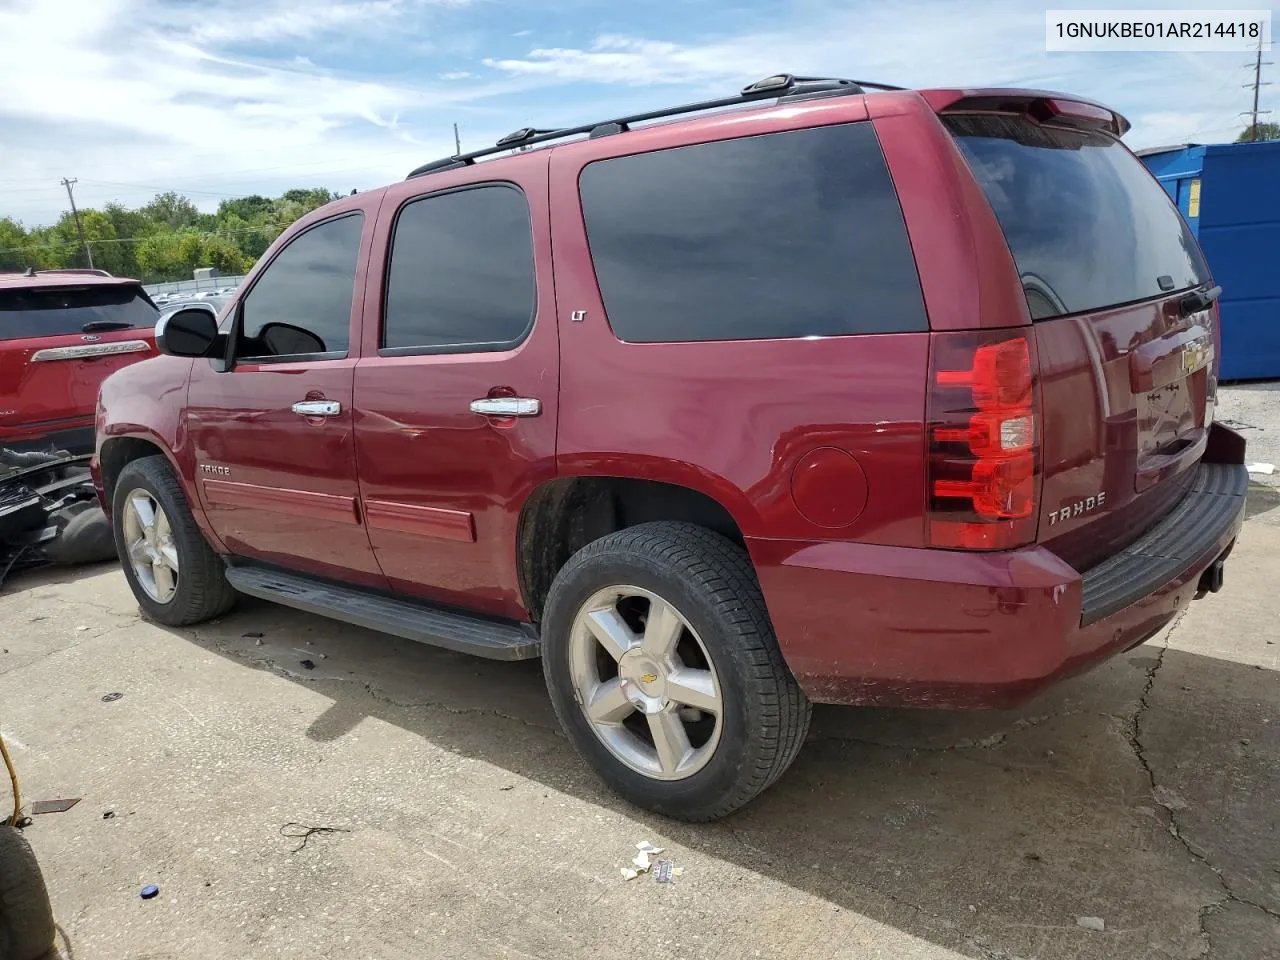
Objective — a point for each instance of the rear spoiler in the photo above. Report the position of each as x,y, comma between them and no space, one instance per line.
1039,106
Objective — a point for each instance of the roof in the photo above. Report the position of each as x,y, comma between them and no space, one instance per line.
59,278
774,91
1155,151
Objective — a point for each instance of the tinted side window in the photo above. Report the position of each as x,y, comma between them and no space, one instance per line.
791,234
301,304
461,273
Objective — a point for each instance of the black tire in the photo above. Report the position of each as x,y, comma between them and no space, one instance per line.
84,535
26,918
202,591
710,580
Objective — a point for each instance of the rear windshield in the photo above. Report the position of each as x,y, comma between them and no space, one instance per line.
1087,225
57,311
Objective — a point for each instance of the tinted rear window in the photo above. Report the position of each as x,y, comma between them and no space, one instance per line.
1088,227
461,274
57,311
794,234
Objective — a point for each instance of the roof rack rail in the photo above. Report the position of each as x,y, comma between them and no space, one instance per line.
91,271
778,85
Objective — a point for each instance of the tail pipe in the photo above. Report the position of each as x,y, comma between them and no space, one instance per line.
1211,579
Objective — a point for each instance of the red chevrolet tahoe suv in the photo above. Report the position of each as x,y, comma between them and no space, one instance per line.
834,392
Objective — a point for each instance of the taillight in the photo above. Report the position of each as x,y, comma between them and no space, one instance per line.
984,440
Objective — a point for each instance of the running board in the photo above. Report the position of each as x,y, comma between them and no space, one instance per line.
439,628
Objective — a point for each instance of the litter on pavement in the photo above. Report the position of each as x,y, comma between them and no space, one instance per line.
52,806
643,862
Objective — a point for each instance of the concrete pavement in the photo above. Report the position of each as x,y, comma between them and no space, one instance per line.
1144,793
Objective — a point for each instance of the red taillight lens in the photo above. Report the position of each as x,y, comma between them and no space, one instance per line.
984,472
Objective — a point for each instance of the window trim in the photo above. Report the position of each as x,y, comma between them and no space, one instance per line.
495,346
232,360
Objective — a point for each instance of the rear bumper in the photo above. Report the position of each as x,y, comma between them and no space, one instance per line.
866,624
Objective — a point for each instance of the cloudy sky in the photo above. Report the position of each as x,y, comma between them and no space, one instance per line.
218,98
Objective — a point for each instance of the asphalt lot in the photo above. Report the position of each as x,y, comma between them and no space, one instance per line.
1144,794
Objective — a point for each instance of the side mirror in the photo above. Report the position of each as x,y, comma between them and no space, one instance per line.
187,333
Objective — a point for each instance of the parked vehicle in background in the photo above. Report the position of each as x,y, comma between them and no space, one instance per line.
212,304
852,394
61,333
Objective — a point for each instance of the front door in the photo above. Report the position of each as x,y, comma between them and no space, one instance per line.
456,391
272,436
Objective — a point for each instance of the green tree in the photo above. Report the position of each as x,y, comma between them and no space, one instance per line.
99,232
165,239
130,226
1265,131
49,250
171,210
310,199
13,246
167,256
221,252
253,209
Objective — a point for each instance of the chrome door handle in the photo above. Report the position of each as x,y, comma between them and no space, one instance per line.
317,408
507,407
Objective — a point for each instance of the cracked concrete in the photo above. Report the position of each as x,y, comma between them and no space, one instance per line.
1143,793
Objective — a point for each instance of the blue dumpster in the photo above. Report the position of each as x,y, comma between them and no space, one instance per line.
1230,194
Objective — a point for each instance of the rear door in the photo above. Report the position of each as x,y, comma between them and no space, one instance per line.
456,395
1126,340
57,345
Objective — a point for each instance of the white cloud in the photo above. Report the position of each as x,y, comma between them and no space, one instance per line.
172,94
1168,97
114,89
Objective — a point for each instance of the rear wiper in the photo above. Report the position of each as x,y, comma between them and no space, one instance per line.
1198,300
93,326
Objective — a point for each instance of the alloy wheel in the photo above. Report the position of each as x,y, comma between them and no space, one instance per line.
645,682
149,544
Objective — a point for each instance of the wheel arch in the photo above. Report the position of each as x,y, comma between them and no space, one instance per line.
564,514
119,450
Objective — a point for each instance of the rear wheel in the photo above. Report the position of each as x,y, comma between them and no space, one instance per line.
176,577
26,919
665,673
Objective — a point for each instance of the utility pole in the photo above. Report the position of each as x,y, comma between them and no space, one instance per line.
1257,85
75,214
457,143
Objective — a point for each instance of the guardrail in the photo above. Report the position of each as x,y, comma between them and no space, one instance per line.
193,286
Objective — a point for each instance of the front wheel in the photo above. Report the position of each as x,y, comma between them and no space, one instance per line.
664,671
176,577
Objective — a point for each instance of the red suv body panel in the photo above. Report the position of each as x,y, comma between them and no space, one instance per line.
416,495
